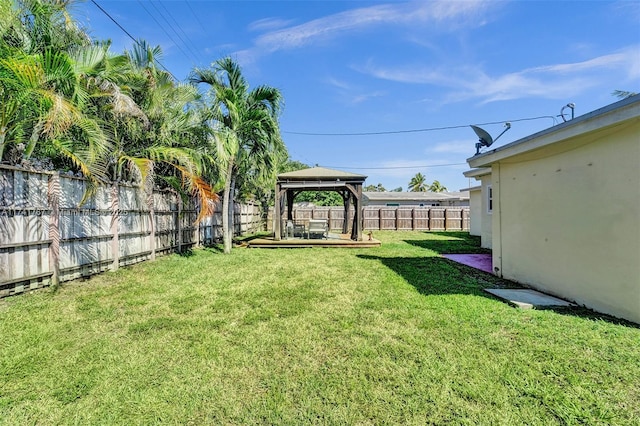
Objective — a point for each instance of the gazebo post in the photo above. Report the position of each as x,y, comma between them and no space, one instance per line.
358,213
290,197
347,209
277,214
355,191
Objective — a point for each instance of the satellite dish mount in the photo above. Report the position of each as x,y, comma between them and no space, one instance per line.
572,107
484,138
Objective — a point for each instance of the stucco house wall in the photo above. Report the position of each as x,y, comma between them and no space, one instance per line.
475,211
566,214
481,220
486,223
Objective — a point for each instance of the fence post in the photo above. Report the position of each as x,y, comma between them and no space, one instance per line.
197,224
413,219
397,218
178,223
115,213
54,227
152,222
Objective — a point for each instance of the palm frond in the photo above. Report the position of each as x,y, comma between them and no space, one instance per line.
201,189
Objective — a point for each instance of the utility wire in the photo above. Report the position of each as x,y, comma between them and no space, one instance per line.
430,129
163,29
396,167
188,42
130,36
195,15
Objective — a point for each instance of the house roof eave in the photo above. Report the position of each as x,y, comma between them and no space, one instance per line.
608,116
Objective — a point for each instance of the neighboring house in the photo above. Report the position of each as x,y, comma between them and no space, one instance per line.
561,209
416,199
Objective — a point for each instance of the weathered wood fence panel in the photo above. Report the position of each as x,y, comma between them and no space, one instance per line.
48,234
24,228
387,218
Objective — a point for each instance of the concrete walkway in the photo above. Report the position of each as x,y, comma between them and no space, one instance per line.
527,298
484,262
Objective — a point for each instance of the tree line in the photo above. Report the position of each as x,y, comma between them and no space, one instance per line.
67,102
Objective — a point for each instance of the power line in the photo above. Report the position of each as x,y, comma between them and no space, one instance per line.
188,42
130,36
163,29
430,129
195,15
396,167
114,21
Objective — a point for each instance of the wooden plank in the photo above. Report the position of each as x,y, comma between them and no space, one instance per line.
437,219
388,218
420,219
453,219
404,219
371,217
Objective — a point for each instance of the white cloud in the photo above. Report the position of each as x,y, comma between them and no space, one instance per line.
340,84
556,81
332,26
268,24
351,94
357,99
453,147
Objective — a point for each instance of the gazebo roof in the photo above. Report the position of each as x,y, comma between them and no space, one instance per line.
320,173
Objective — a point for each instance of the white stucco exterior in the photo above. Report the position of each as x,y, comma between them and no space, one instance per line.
475,219
566,209
481,215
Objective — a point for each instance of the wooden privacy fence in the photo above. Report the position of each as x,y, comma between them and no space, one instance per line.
47,236
388,218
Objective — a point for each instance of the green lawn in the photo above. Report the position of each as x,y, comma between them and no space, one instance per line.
392,335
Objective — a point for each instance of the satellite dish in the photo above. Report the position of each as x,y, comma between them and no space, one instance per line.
484,138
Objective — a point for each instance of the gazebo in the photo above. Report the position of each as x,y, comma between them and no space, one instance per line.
348,185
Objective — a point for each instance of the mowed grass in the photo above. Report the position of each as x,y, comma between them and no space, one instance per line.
392,335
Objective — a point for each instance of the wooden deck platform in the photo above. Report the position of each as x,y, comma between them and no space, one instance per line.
334,240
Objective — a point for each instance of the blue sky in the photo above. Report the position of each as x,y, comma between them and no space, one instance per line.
348,67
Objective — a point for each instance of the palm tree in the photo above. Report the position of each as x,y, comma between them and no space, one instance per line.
247,134
436,186
67,98
159,131
417,183
47,90
623,94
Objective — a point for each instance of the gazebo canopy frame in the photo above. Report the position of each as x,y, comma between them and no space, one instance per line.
348,185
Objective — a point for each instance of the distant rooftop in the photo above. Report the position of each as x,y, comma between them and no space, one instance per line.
416,196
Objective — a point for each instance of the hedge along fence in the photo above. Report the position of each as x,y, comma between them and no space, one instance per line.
388,218
46,236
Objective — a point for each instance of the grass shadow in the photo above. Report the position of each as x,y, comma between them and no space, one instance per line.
588,314
188,252
432,275
451,243
214,248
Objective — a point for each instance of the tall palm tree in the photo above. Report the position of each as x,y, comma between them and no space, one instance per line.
158,130
436,186
247,133
418,183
